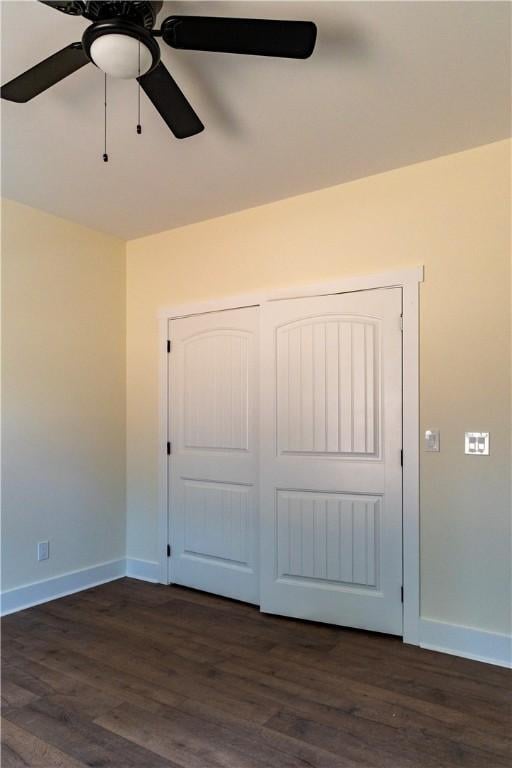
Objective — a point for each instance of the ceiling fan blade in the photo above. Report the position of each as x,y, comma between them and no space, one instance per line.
45,74
73,7
169,100
260,37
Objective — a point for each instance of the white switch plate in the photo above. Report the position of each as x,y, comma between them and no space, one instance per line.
477,443
43,550
432,440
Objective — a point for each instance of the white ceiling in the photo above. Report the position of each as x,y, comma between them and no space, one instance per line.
389,84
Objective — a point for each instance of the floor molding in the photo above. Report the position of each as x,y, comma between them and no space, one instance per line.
477,644
145,570
19,598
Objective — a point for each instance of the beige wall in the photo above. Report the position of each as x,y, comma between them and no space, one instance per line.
63,395
63,377
452,215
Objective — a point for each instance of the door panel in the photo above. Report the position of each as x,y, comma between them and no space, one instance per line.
216,404
327,536
328,386
213,467
331,507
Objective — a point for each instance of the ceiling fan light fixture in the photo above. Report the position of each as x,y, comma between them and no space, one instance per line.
118,56
121,48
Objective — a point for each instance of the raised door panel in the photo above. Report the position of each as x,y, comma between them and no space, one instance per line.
328,537
328,387
215,387
217,522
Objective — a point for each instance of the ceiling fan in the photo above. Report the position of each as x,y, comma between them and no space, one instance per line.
121,42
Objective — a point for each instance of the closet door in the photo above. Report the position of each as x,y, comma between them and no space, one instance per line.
213,465
331,478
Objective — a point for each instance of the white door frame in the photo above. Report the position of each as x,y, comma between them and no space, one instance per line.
408,280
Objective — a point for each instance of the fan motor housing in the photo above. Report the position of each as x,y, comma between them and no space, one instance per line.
141,12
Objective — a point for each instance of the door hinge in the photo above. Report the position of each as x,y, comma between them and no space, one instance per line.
169,345
401,322
169,448
401,457
402,594
168,550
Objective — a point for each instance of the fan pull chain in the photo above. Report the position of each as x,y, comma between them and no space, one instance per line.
105,156
139,127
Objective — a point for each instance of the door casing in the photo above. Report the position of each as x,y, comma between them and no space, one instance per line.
408,280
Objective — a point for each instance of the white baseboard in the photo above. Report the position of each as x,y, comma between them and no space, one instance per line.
470,643
17,599
145,570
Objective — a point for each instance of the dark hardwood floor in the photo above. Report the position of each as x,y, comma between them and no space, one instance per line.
133,674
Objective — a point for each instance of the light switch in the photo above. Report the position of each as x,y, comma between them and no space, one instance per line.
432,440
477,443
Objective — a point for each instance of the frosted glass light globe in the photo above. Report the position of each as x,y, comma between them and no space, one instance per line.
118,56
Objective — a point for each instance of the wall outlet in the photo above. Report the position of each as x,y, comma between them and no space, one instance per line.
43,550
476,443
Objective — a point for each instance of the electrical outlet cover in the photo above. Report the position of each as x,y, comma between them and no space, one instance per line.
477,443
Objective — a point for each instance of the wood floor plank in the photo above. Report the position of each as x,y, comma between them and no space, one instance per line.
179,628
428,685
149,670
82,739
180,655
21,748
342,741
132,674
196,742
333,701
14,695
124,685
169,739
262,736
393,727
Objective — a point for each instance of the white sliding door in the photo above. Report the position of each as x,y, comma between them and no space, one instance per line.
331,479
213,400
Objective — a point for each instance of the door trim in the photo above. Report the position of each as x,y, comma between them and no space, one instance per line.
408,280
